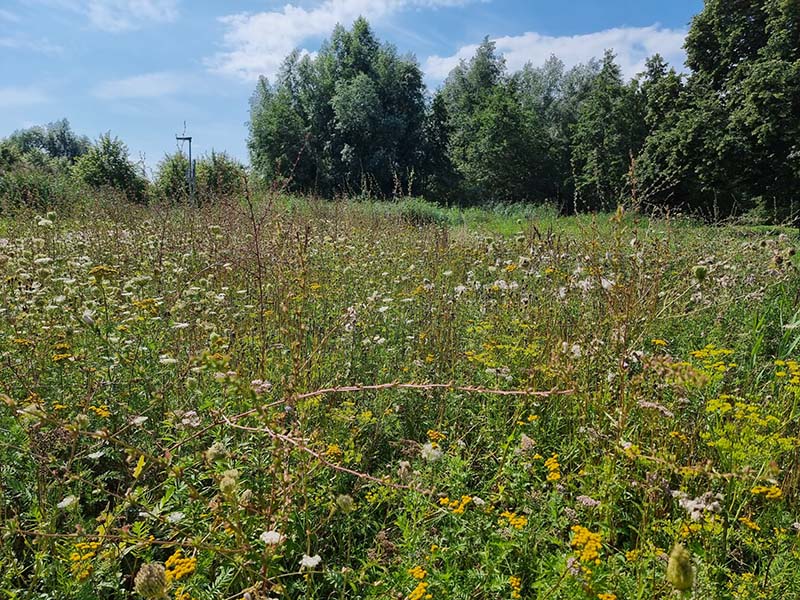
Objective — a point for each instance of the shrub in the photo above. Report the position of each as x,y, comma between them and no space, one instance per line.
33,179
421,212
218,174
107,164
171,182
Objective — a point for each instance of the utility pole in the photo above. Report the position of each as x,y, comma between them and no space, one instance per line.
190,170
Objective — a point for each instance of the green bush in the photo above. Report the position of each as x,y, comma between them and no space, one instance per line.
421,212
170,181
107,164
218,174
33,179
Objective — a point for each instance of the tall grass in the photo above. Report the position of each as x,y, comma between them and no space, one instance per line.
299,399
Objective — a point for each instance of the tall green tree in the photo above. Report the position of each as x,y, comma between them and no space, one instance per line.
734,133
495,144
351,118
440,180
56,139
555,95
609,132
278,136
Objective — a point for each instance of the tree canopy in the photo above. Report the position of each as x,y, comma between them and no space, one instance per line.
349,119
720,140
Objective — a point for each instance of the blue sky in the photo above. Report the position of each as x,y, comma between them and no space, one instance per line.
140,68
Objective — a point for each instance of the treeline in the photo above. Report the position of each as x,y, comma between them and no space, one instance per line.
356,118
51,165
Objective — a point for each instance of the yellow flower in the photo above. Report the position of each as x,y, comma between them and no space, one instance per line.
178,566
419,592
770,493
334,451
587,544
102,270
553,468
101,411
749,523
417,572
514,520
435,436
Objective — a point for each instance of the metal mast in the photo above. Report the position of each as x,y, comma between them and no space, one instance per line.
190,169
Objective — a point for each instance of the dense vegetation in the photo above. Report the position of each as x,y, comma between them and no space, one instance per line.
244,391
329,400
722,140
52,167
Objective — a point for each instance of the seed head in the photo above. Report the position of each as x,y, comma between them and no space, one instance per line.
345,503
679,568
229,482
151,581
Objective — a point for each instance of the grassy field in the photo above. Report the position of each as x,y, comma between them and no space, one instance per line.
353,400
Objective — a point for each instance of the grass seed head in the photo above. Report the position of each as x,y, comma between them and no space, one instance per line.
679,568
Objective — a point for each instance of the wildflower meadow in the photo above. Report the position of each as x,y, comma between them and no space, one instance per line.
291,398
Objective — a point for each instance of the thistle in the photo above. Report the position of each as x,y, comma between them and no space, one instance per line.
679,569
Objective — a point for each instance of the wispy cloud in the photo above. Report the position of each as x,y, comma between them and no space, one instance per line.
120,15
40,46
7,15
147,85
631,44
21,97
256,43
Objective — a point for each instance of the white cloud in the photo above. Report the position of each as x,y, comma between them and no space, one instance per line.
21,97
257,43
120,15
148,85
631,44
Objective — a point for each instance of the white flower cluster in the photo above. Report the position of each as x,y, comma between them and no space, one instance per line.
697,507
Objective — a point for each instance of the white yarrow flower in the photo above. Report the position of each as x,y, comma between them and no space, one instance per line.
271,538
310,562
